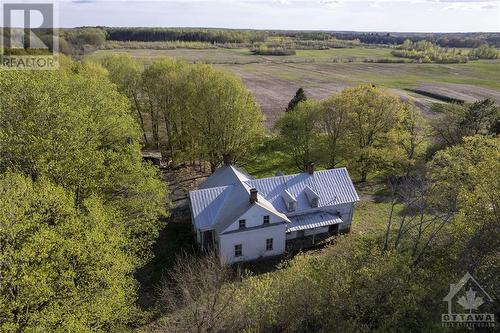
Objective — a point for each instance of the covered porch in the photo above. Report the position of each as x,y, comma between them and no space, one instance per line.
309,229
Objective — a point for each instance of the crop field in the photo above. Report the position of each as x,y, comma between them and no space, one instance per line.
274,79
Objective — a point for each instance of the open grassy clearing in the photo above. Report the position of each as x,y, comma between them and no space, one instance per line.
274,79
244,55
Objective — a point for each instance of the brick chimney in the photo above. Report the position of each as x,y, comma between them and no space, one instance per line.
227,159
310,168
253,195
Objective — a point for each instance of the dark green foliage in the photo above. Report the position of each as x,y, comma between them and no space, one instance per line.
300,96
188,35
460,120
298,133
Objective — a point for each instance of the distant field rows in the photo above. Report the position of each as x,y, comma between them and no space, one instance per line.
273,80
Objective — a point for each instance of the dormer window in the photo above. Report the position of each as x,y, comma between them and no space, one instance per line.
289,200
242,224
312,196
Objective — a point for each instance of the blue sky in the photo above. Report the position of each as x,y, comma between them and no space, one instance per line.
359,15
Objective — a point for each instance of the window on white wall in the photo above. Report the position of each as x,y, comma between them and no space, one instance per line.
238,250
266,219
314,202
242,224
269,244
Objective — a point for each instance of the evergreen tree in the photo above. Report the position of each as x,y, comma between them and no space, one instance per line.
300,96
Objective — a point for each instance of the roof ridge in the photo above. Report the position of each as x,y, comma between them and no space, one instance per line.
211,188
297,174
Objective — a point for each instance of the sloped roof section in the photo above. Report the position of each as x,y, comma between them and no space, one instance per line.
287,197
225,175
333,187
217,207
314,220
206,203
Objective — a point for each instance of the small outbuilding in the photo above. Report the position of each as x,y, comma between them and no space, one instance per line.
153,156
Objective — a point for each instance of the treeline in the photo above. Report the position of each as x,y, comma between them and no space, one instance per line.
188,35
362,127
374,132
465,40
77,41
426,51
485,52
204,113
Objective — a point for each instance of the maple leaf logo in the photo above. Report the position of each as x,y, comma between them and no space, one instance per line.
470,301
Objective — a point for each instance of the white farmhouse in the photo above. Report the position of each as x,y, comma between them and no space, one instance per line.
247,219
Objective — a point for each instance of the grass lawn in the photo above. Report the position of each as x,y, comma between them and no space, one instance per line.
370,218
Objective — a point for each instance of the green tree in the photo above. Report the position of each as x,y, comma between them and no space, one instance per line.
224,116
164,84
126,73
300,96
412,138
333,122
375,120
63,268
485,51
460,120
467,178
74,128
299,133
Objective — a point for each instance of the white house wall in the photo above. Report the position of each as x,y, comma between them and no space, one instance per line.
253,218
253,243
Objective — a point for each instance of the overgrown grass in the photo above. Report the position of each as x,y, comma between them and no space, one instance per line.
370,217
268,160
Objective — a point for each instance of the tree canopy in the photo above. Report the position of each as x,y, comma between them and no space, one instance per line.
84,205
298,131
205,113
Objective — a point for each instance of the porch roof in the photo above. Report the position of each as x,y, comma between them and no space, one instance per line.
311,221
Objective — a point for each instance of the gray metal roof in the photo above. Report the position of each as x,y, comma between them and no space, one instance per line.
313,220
217,207
225,175
224,196
206,204
333,186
